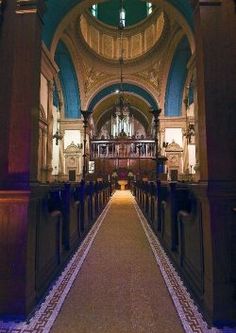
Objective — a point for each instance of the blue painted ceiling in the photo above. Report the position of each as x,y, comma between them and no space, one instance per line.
67,76
127,88
57,9
176,79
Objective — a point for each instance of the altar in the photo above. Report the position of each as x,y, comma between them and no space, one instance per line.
122,183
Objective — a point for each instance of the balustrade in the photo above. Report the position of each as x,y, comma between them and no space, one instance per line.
122,149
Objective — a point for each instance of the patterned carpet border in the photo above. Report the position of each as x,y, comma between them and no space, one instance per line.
47,313
188,313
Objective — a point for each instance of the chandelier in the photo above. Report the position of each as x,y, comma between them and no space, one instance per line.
121,107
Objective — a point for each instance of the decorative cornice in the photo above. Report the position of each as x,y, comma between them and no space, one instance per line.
173,147
72,149
30,7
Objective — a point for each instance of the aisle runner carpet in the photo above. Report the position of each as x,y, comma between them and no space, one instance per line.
45,316
138,303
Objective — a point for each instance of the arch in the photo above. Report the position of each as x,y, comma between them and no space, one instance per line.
69,83
176,79
127,87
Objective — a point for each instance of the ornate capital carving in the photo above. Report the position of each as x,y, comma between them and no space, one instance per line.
30,7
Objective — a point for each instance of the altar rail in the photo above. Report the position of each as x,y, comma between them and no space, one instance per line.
122,148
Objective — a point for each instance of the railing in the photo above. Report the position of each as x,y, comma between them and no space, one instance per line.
125,148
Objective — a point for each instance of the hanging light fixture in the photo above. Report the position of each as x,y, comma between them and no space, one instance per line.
122,15
190,128
58,135
121,107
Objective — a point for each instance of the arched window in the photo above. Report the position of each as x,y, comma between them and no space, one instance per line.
94,10
149,8
122,17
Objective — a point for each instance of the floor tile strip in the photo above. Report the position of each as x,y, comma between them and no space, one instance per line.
47,313
190,317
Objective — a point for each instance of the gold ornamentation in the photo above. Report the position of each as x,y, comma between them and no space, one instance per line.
92,78
153,74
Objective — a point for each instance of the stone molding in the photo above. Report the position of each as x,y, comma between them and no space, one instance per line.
72,149
30,7
173,147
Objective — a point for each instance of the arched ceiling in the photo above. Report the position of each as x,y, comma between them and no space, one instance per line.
128,88
57,10
140,109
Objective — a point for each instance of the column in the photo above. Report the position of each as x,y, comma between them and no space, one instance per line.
20,52
215,27
50,131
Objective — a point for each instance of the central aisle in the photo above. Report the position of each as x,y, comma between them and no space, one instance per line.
119,288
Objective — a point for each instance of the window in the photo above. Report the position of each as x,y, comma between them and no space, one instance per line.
149,8
122,17
94,10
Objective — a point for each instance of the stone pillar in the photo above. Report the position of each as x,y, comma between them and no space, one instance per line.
20,49
215,26
50,131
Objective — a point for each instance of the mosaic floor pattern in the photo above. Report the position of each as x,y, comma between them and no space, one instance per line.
46,314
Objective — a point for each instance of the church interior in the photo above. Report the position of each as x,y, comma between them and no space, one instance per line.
113,111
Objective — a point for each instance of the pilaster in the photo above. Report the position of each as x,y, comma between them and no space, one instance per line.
215,27
19,85
20,56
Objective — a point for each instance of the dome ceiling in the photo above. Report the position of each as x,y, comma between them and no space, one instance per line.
108,11
57,10
136,41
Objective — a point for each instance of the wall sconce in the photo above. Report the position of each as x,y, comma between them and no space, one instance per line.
165,144
58,136
190,132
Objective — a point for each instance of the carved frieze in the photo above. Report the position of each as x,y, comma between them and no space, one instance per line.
72,149
173,160
153,74
174,147
92,78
